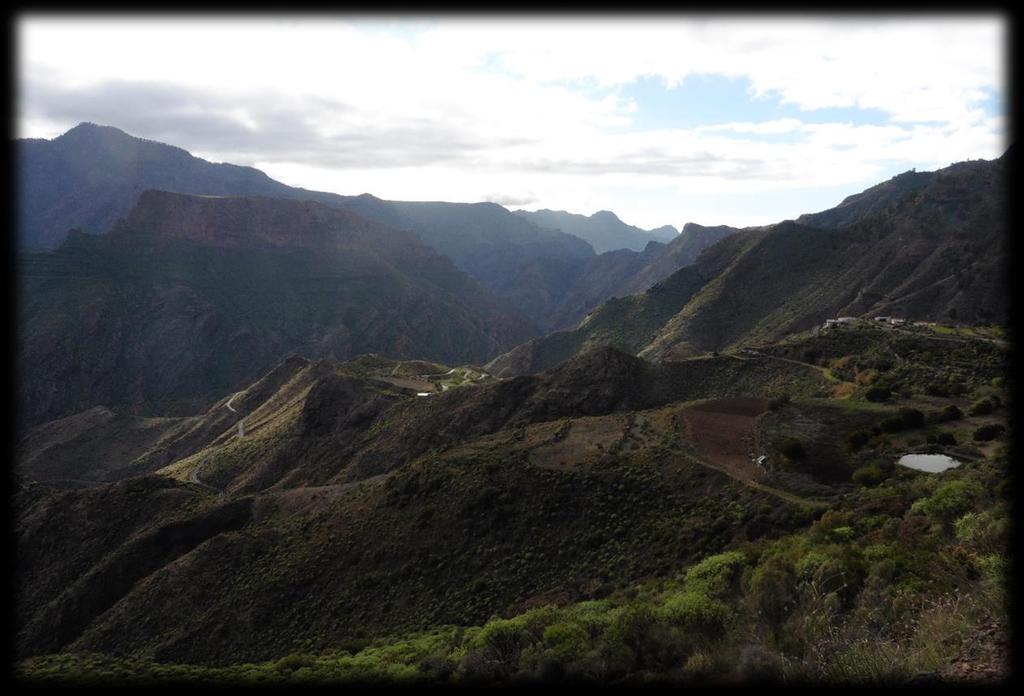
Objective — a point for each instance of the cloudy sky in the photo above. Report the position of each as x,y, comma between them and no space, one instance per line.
663,120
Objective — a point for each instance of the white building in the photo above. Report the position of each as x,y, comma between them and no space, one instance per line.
839,321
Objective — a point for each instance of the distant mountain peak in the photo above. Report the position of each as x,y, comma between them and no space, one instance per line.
603,230
88,126
664,230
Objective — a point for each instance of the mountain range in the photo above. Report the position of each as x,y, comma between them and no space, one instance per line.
275,435
191,295
91,176
335,460
603,230
921,246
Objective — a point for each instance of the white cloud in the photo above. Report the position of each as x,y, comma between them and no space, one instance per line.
516,109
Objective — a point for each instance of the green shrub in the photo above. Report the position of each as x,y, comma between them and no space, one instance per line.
912,418
985,532
981,408
843,574
868,475
947,439
716,575
878,393
957,388
566,642
950,412
294,661
697,613
809,564
858,439
995,568
699,664
951,500
988,432
653,643
773,591
500,642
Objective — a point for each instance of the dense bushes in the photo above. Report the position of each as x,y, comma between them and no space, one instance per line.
893,580
951,500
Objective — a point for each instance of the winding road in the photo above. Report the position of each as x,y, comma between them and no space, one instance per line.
193,476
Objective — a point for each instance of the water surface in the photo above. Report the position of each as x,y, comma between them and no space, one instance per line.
932,463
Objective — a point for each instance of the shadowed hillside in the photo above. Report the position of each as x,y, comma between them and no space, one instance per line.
935,250
192,296
92,176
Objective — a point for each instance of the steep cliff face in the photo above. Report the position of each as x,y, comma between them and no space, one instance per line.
234,221
190,296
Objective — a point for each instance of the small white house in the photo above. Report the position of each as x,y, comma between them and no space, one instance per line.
883,319
840,321
897,321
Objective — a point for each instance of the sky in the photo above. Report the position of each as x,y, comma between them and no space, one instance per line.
662,119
